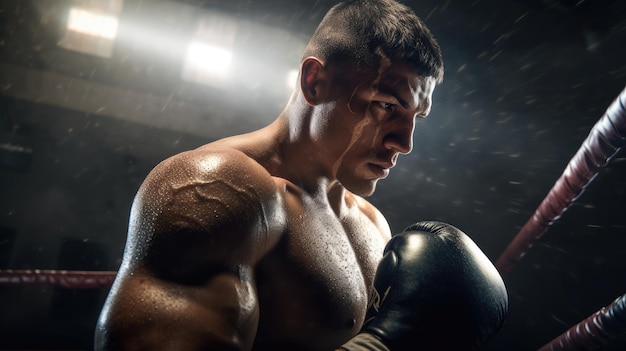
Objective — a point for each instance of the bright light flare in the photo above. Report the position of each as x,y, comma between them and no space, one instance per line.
91,23
208,59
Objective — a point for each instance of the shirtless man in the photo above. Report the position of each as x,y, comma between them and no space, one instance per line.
264,241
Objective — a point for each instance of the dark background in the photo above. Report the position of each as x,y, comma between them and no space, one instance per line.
525,82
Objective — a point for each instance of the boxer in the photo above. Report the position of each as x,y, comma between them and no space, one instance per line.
265,241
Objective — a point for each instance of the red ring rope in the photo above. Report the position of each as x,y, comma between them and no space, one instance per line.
595,331
66,279
607,136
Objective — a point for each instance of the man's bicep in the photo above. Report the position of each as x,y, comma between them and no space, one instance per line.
144,312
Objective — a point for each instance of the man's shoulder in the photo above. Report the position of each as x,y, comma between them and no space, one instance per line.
211,164
206,179
222,193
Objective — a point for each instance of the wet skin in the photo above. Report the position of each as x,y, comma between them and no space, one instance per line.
264,241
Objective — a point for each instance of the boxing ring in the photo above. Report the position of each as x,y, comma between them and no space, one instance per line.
604,141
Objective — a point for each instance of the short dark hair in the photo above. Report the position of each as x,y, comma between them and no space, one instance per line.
355,31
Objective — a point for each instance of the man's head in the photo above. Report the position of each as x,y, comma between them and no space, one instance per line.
368,72
359,32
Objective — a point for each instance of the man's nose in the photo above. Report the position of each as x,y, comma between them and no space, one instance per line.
400,136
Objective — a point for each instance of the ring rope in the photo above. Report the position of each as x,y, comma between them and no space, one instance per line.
606,138
63,278
594,331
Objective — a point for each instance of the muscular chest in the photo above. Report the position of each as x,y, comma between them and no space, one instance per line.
313,289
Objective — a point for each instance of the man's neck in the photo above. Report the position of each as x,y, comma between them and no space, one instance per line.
299,158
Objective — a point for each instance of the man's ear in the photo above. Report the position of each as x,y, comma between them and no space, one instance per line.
313,80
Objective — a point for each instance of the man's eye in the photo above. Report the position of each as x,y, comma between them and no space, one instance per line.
386,106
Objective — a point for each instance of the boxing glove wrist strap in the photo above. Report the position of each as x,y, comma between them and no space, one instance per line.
364,342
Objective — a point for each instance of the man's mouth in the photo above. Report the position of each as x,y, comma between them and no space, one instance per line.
380,170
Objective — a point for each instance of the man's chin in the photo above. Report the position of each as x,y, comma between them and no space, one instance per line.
362,188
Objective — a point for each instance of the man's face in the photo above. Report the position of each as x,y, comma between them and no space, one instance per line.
373,120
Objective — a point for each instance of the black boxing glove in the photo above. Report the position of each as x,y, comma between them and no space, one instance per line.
435,290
